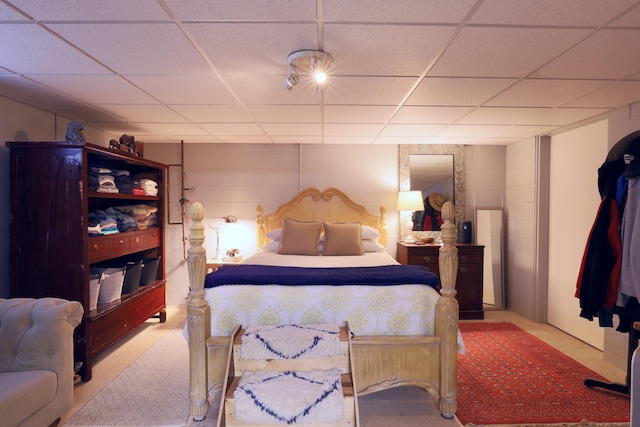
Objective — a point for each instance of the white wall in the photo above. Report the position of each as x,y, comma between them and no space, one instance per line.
235,178
521,228
576,156
20,122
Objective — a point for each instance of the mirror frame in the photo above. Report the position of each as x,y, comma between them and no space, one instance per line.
406,150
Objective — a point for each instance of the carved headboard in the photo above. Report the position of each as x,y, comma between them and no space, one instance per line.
329,205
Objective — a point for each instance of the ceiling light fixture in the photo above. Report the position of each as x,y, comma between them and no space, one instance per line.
292,78
313,62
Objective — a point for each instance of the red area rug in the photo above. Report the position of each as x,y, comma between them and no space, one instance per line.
508,376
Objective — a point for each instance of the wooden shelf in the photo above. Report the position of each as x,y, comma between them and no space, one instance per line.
51,251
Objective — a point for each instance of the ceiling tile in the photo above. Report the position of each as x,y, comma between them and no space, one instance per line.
286,113
605,55
213,113
549,12
613,95
529,116
411,130
8,14
523,131
475,131
200,89
430,115
367,90
260,48
92,10
292,129
144,113
349,129
358,113
400,11
105,89
457,91
544,93
243,10
26,47
136,48
383,50
503,51
241,129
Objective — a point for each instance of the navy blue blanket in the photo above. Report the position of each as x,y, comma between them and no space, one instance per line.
251,274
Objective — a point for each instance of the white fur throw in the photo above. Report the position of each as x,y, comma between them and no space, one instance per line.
266,342
292,397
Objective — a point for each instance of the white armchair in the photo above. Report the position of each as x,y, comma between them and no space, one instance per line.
36,359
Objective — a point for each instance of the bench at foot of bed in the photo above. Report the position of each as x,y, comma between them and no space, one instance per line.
269,391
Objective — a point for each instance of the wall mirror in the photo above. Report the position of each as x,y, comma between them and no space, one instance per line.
489,232
443,152
432,175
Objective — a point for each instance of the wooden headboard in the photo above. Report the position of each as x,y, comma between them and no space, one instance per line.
330,205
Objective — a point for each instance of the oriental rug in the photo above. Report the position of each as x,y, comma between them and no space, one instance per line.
509,377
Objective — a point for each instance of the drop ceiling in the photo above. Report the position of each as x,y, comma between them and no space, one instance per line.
404,71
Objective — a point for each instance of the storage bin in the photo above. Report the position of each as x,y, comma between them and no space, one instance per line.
133,269
94,290
149,271
110,285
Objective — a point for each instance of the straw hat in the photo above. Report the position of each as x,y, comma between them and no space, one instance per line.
436,200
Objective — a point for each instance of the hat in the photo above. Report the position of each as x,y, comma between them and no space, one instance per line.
632,159
436,200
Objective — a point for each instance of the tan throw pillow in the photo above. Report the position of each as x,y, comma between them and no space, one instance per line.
299,237
342,238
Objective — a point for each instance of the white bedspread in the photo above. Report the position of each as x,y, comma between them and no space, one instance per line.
370,310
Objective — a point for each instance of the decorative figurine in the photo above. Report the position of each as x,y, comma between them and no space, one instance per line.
74,132
129,144
114,145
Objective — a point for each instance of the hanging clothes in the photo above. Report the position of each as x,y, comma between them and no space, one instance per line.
599,277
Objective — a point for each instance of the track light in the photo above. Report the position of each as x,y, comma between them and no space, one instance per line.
313,62
292,78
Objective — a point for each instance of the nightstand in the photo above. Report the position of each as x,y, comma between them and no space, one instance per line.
214,263
470,270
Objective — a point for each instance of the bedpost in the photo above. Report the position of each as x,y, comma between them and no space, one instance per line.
383,226
197,316
447,314
261,236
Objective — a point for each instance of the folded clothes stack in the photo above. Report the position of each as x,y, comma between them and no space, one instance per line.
120,219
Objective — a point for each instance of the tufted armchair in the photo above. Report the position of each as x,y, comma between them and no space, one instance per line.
36,360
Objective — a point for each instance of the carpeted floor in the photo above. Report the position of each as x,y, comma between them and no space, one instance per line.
407,406
508,376
153,391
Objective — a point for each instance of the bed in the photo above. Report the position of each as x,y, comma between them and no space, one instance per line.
405,334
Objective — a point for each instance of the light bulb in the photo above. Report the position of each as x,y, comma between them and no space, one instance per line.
320,76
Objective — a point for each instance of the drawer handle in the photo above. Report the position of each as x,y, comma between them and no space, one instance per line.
463,258
121,242
96,247
427,259
464,270
137,240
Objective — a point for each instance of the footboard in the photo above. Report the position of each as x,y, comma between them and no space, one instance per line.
429,362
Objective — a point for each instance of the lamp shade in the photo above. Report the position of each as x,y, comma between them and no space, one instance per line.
410,201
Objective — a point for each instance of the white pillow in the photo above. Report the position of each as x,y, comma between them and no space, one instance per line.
372,246
370,233
275,234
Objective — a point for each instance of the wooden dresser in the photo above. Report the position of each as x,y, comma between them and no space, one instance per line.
470,270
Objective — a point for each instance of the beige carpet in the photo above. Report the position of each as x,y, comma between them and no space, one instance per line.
153,391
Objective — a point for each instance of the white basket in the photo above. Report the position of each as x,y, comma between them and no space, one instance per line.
111,285
94,290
